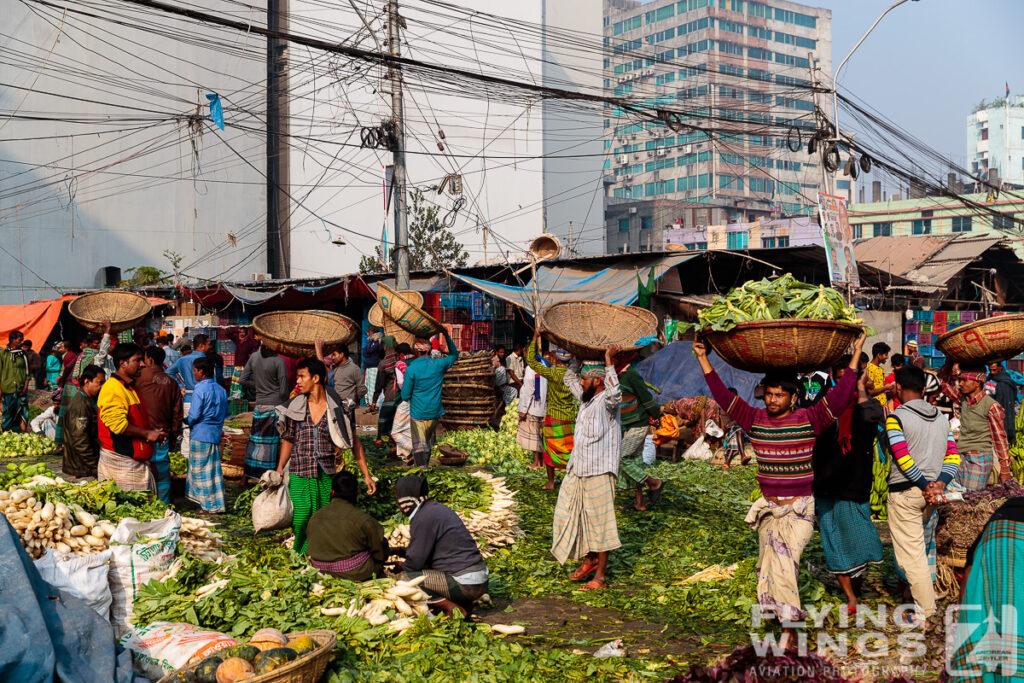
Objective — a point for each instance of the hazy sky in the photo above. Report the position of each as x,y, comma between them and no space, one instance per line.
929,61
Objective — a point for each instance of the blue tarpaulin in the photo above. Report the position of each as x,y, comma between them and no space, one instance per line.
675,371
557,281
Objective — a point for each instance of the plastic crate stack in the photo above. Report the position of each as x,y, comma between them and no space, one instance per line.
501,333
226,348
481,336
927,326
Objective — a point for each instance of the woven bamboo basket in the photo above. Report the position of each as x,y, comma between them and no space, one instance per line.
306,669
587,328
452,456
294,333
406,314
788,344
988,340
468,390
124,310
378,319
545,247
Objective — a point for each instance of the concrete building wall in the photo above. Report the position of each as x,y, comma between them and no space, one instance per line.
995,140
116,176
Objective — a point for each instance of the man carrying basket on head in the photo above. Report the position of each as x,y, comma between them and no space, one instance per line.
560,419
783,439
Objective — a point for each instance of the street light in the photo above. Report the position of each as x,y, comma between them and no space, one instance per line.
835,76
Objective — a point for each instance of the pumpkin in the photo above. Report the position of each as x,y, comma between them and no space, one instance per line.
206,672
268,660
269,635
302,644
246,652
183,677
230,669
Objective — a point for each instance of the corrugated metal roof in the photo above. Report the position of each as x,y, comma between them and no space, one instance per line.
924,259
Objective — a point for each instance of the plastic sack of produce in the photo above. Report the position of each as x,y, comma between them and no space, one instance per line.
162,647
273,508
84,576
650,454
139,552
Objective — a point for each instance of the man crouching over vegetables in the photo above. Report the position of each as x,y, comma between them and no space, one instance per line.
783,440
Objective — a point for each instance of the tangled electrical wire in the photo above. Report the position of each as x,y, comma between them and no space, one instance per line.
453,213
380,137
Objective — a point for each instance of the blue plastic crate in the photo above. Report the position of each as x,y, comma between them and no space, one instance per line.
911,336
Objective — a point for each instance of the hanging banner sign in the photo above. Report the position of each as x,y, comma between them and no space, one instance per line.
837,237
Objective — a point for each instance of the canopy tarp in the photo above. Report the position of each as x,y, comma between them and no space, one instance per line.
558,281
37,319
285,295
676,373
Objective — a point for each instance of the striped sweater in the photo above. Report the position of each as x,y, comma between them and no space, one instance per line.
637,404
785,446
916,433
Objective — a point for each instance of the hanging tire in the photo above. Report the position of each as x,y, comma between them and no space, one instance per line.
793,139
850,168
812,145
831,159
865,163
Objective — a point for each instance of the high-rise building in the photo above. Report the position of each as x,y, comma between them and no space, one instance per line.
726,61
995,140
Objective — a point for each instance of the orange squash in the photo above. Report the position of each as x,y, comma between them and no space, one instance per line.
232,669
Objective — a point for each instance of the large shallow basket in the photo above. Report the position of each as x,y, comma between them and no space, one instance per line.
587,328
123,309
307,669
294,333
545,247
406,314
377,318
789,344
985,341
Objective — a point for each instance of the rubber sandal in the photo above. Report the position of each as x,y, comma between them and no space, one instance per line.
583,571
593,585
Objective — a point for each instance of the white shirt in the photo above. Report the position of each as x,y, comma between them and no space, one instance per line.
47,418
516,365
537,407
597,441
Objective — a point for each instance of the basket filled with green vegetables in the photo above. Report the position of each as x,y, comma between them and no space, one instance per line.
783,324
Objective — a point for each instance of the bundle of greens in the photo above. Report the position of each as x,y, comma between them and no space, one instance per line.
784,297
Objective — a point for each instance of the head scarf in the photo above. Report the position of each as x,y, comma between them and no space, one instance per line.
912,343
411,492
593,370
561,354
974,372
421,346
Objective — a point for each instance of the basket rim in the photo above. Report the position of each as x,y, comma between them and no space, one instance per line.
946,336
74,304
353,327
564,340
438,327
324,649
786,322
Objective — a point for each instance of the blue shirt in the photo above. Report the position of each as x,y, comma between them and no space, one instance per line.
181,370
171,356
207,412
422,384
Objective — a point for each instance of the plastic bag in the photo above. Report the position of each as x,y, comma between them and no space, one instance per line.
273,508
612,649
162,647
650,453
698,451
84,576
140,552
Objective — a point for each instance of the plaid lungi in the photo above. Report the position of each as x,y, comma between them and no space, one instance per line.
631,462
584,520
308,495
344,565
975,469
161,464
424,434
15,407
401,430
528,435
264,446
440,584
204,482
370,382
990,632
128,473
557,441
782,533
848,536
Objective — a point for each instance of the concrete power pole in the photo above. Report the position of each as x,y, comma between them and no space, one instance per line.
278,173
398,119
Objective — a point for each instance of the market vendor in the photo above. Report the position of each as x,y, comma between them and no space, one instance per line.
386,388
982,439
204,483
344,541
79,424
783,441
560,419
313,428
162,398
265,381
584,525
422,389
638,412
14,384
441,549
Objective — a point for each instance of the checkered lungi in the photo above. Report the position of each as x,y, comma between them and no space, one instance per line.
528,435
584,520
401,430
264,446
128,473
308,495
204,482
440,584
783,532
370,381
975,470
848,536
631,461
424,434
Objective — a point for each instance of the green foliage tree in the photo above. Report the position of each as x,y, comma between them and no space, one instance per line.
143,275
432,246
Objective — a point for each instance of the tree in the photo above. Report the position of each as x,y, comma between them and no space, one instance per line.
143,275
432,246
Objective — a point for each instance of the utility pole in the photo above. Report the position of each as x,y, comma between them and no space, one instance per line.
826,185
398,119
279,250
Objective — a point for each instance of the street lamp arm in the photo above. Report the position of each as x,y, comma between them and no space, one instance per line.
835,76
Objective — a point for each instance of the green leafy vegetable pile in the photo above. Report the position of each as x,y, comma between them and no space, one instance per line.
497,452
21,472
784,297
20,445
105,499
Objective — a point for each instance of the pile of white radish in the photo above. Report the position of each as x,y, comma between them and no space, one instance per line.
53,525
395,603
496,528
198,538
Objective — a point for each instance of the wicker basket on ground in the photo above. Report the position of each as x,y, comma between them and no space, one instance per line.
294,333
378,319
124,310
788,344
984,341
587,328
406,314
452,456
308,668
468,392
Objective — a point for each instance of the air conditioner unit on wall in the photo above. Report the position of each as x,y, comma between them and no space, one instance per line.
256,277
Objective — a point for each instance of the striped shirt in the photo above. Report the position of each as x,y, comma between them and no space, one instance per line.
561,404
637,404
784,446
597,440
901,448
